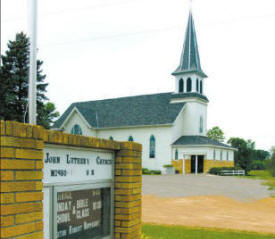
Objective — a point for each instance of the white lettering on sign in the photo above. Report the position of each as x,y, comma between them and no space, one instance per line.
71,165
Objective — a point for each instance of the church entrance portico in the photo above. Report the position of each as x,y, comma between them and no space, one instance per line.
197,164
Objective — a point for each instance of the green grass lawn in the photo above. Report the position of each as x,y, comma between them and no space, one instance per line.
179,232
263,175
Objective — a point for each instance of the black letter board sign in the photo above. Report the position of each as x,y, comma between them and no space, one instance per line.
84,214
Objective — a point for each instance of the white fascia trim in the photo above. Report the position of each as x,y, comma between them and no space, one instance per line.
186,100
136,126
203,146
80,115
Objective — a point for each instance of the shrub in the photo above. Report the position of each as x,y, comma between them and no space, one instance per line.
168,166
155,172
217,171
258,165
146,171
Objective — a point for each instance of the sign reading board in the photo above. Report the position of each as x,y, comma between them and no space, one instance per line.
84,214
78,201
70,165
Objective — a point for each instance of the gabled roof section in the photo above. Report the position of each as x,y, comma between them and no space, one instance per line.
199,140
190,59
144,110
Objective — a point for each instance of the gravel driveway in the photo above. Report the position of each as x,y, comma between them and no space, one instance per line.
241,189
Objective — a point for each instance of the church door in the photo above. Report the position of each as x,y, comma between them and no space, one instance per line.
193,164
200,163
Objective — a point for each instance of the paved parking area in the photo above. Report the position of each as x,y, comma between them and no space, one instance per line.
240,189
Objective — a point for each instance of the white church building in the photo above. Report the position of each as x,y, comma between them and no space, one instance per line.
170,126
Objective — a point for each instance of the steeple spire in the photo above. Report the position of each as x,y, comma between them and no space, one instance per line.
190,59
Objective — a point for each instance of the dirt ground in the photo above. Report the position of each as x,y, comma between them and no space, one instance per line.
209,201
211,211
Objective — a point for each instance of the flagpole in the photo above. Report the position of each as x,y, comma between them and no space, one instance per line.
33,60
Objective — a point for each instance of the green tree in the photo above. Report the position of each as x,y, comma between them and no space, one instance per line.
271,164
47,114
14,83
261,155
244,155
216,133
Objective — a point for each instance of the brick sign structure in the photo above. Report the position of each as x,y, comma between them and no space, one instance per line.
22,162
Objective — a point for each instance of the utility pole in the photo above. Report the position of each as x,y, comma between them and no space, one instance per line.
33,60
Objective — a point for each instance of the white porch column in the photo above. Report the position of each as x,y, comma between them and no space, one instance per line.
196,165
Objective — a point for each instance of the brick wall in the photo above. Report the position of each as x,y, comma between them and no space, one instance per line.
178,165
21,164
21,154
208,164
187,166
128,191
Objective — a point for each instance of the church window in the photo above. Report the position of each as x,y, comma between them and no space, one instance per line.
201,124
201,87
111,138
131,139
197,85
152,149
221,155
181,85
176,155
189,85
227,155
214,154
76,130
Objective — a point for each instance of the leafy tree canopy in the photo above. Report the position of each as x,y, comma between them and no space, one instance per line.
243,157
14,84
271,164
216,133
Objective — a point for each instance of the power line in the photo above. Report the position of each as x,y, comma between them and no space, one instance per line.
150,31
75,10
127,34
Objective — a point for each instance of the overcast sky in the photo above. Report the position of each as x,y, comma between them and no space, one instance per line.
97,49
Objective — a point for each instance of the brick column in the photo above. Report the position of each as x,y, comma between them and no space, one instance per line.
128,177
21,154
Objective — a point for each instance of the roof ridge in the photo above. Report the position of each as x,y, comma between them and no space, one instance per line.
123,97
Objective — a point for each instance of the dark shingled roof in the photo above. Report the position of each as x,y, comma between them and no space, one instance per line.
190,58
141,110
198,140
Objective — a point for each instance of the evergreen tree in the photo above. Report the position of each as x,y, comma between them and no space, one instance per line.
14,83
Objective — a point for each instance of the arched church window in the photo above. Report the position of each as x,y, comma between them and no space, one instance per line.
197,85
176,154
152,147
111,138
181,85
189,85
76,130
221,155
214,154
201,124
201,87
131,139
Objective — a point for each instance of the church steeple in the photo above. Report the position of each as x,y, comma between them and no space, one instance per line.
190,58
189,75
